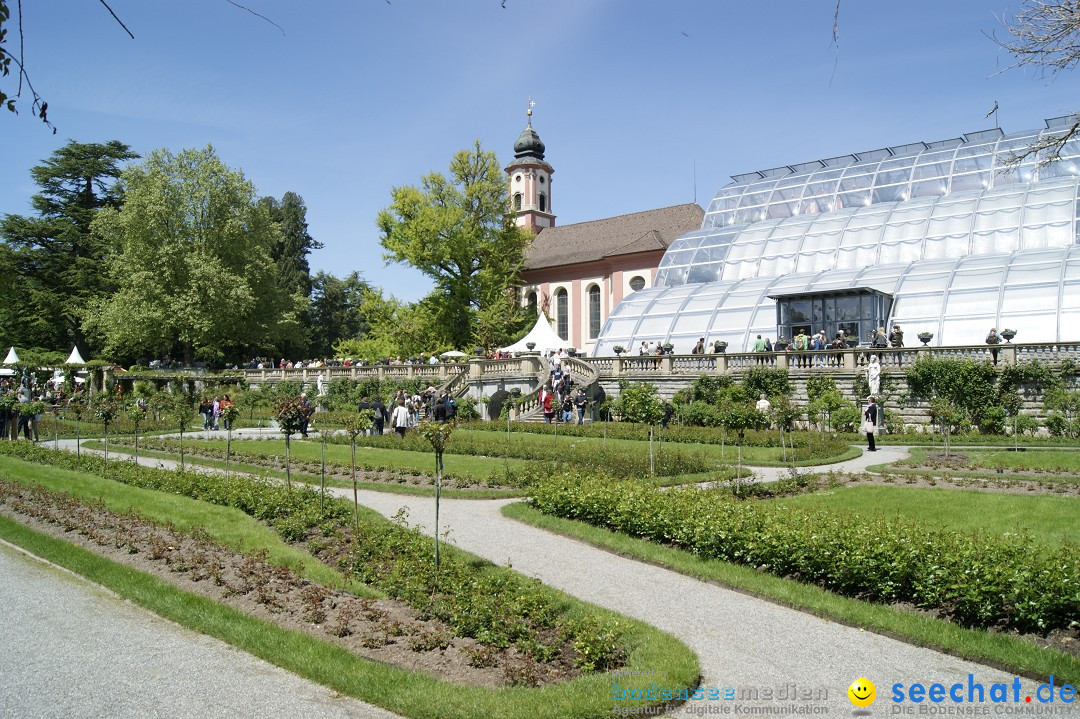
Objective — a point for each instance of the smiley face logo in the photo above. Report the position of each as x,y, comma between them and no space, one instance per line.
862,692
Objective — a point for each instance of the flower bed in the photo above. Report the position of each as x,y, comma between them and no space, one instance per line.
491,605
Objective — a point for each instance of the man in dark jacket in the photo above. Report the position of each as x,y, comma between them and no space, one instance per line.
381,415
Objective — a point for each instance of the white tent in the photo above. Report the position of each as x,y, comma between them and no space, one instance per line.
75,357
11,358
544,337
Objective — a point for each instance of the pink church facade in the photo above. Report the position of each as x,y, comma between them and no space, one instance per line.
577,274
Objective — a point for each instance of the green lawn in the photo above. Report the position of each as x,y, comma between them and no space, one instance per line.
1050,460
475,468
728,453
228,526
1049,519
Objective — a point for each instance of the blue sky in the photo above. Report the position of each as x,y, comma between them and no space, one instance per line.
358,97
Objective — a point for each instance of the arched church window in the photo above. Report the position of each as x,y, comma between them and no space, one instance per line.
517,200
594,312
562,314
543,202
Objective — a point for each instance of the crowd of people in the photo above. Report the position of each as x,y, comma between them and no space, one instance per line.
811,349
213,412
557,396
407,411
320,363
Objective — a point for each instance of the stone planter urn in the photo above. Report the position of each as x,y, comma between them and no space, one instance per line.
669,348
1008,335
719,347
618,350
530,345
925,337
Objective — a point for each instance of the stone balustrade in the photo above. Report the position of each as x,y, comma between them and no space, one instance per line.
586,370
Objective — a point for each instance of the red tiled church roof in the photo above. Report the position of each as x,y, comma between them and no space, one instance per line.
621,235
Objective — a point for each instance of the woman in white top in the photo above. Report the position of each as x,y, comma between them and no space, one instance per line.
399,419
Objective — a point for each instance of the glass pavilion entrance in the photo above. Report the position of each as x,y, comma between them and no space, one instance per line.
858,312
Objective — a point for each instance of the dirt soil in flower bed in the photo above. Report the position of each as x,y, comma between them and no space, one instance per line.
383,630
1006,485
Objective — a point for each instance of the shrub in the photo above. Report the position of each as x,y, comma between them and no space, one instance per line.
977,580
770,381
700,413
818,385
637,402
1058,425
846,418
992,420
1026,424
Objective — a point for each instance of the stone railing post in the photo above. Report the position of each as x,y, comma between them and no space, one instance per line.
616,366
1007,354
721,363
782,360
665,364
849,359
381,371
476,368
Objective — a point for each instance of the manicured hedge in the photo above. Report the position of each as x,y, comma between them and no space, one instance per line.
979,580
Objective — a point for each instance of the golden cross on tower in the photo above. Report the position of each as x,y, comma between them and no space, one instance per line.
528,112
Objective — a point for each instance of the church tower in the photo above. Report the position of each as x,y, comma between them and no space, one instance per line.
530,181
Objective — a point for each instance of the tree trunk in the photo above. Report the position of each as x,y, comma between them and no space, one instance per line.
438,496
322,473
355,494
288,466
652,461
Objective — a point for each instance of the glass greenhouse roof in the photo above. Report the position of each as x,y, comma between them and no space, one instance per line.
1000,220
957,236
959,300
977,161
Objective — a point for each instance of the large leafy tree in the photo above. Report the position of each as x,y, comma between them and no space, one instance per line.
193,269
56,258
336,311
460,232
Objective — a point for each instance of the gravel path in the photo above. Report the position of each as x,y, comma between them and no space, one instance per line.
70,649
741,641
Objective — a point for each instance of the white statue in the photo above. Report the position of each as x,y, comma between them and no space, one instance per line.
873,375
320,383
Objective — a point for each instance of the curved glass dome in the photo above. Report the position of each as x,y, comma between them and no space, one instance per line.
958,299
1003,219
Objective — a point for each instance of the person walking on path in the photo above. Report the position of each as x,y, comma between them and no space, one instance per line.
870,416
582,403
399,419
381,414
548,402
